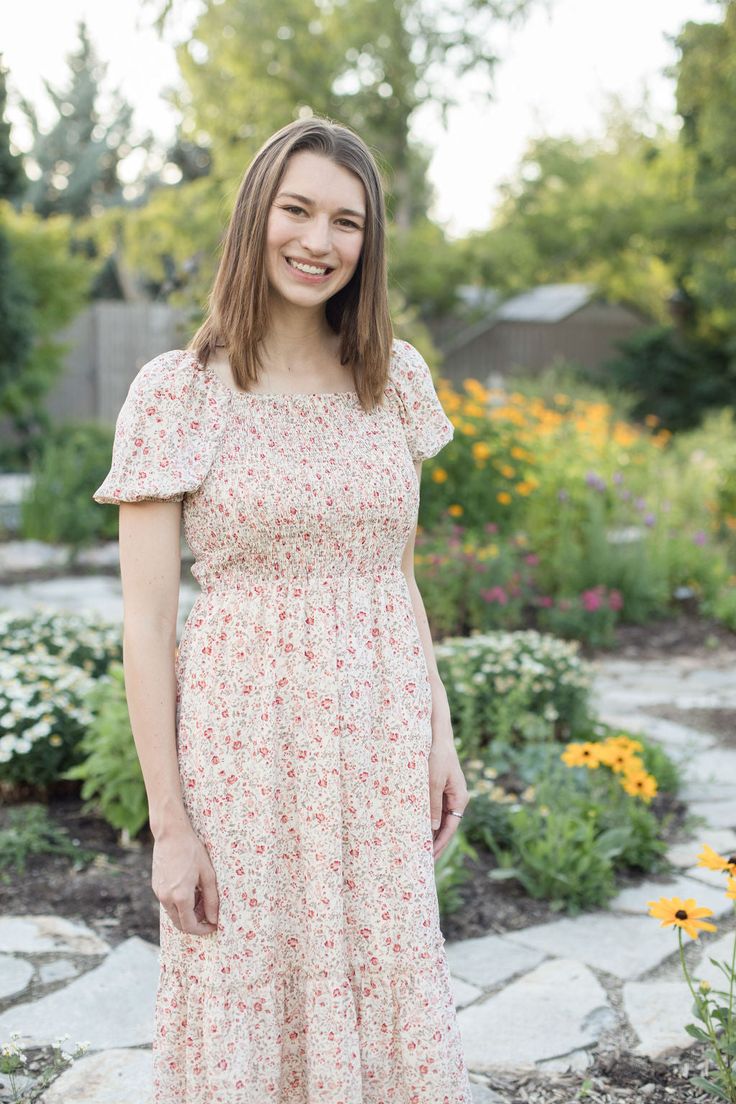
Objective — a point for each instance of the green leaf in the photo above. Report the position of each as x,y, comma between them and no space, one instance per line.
709,1087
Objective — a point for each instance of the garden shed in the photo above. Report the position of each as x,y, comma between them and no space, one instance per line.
529,331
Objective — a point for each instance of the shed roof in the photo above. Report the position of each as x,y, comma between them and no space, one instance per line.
548,303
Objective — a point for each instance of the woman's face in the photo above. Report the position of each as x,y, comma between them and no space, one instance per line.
317,217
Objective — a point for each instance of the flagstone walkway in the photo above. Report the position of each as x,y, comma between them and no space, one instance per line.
543,998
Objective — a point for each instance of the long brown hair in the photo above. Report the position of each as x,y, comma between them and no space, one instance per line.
238,304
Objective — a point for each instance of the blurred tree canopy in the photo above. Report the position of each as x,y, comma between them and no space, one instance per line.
247,69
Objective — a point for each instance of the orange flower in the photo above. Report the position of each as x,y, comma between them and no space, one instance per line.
683,914
640,784
711,860
585,754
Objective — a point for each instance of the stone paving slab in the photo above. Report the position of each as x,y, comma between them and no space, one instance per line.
111,1077
722,840
29,934
717,814
556,1009
109,1006
15,975
489,959
463,993
636,898
625,946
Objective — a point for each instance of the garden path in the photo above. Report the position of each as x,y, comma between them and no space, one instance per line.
542,998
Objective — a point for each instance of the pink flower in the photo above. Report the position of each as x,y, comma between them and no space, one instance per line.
591,599
545,600
532,559
495,594
615,600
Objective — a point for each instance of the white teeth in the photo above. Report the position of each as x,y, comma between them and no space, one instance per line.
311,269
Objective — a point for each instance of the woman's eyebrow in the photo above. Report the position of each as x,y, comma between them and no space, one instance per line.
309,202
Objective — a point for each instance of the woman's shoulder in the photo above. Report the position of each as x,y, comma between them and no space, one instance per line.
426,425
175,375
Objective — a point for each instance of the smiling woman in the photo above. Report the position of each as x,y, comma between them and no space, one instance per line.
301,748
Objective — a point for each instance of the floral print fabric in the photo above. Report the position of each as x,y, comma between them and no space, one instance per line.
303,732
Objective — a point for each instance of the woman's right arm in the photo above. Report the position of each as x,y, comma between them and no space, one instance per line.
150,565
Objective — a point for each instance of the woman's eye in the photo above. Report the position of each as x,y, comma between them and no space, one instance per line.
348,222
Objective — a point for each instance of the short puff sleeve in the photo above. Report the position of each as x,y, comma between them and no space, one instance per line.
166,432
426,426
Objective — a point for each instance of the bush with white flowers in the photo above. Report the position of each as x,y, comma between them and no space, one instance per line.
49,663
514,687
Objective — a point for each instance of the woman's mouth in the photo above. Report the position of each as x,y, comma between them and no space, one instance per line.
312,274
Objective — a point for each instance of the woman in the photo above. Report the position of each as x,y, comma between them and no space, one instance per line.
297,750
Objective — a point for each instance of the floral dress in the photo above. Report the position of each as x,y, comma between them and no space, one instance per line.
303,729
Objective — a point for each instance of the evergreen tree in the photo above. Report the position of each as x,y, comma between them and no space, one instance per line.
76,161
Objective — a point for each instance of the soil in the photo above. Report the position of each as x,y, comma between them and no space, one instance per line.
615,1077
684,634
716,722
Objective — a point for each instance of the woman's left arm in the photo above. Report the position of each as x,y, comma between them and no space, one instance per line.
447,788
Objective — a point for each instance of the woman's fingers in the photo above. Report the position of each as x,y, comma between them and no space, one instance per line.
209,896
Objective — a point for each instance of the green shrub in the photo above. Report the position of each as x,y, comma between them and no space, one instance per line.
28,830
112,781
563,832
450,872
49,661
513,688
43,715
82,639
74,460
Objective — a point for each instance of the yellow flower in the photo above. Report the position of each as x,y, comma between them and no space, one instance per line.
704,985
713,861
507,471
640,784
525,487
439,475
618,758
651,420
624,741
731,888
55,740
455,510
683,914
503,497
481,450
582,755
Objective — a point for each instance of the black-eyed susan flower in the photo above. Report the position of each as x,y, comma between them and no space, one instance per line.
682,914
618,758
585,754
731,888
711,860
624,741
640,784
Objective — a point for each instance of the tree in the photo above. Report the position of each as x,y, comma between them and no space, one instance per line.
706,253
12,177
75,163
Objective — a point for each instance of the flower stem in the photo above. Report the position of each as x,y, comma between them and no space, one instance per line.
702,1003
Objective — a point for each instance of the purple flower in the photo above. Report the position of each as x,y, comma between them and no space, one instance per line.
594,480
700,537
618,477
649,519
640,503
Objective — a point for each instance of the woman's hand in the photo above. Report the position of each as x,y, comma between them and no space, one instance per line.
184,881
447,791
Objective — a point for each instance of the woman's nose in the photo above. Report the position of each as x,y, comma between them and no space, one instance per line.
316,236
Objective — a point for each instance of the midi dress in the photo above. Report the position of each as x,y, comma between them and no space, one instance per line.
303,730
